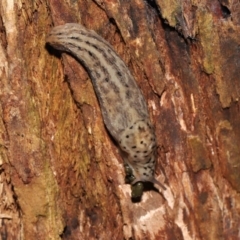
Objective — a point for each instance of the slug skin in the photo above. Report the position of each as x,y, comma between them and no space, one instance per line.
123,106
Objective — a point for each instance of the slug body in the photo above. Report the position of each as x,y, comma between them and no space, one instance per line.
123,106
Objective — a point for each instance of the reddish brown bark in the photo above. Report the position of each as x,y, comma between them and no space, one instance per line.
61,176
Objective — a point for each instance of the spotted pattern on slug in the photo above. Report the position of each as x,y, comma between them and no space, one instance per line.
138,141
123,106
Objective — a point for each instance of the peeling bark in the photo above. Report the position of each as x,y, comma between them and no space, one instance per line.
61,176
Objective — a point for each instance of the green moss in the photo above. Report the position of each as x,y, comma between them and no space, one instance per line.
200,158
169,10
205,25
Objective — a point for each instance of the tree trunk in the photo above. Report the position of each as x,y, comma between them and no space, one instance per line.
61,175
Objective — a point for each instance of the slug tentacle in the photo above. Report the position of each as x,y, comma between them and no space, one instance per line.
123,106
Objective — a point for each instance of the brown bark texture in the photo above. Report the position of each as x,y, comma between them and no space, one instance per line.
61,175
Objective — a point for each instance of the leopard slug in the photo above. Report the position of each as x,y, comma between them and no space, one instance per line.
122,104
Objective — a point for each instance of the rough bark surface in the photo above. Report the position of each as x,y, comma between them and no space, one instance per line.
61,176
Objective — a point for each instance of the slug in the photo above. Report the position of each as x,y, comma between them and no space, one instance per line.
124,109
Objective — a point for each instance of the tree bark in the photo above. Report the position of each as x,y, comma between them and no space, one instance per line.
61,175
